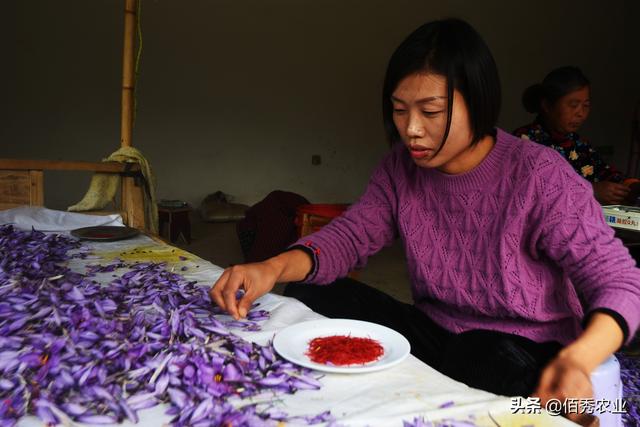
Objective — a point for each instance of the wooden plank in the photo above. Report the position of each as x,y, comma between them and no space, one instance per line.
105,167
15,188
133,203
36,181
102,213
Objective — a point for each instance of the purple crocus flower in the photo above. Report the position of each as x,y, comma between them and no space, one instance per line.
106,351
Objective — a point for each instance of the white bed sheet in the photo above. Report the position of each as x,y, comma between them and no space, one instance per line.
43,219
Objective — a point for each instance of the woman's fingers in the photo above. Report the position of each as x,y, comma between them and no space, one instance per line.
235,282
246,301
257,282
613,193
543,384
224,291
620,190
564,382
216,291
255,279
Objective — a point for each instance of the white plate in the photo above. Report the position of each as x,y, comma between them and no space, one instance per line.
293,342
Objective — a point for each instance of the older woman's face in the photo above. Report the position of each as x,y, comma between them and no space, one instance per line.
420,116
569,112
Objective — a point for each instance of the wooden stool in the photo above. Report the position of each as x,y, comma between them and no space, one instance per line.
178,222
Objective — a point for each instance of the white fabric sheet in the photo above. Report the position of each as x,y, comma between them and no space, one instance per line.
43,219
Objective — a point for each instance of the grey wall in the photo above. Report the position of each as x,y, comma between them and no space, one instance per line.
237,95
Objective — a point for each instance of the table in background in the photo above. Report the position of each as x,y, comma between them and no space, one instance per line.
177,222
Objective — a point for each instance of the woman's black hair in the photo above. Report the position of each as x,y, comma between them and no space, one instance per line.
453,49
555,85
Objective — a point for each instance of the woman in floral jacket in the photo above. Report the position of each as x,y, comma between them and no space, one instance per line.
562,102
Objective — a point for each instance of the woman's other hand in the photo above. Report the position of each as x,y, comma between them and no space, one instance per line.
634,193
568,376
566,380
610,193
256,279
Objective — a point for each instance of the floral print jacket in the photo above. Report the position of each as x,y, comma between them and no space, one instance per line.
578,152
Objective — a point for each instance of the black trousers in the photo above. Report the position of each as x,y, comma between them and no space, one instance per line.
494,361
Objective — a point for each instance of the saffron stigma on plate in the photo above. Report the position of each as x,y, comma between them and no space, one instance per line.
343,350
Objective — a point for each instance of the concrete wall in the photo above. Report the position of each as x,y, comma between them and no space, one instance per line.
237,95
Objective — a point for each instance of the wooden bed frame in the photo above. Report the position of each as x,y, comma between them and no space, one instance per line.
22,183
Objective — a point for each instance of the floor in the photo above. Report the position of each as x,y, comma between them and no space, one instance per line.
218,243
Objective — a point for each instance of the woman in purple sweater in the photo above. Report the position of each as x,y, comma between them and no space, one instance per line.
519,285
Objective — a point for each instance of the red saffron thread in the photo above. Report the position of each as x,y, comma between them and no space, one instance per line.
341,350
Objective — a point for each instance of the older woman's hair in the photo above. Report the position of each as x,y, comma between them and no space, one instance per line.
555,85
453,49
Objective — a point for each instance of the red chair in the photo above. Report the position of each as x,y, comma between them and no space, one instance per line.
312,217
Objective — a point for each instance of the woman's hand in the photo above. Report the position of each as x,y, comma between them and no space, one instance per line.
634,191
257,279
568,376
565,379
610,193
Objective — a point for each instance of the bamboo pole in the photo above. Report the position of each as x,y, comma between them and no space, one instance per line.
132,196
65,165
128,81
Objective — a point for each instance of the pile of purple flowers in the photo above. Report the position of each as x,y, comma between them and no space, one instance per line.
72,349
630,375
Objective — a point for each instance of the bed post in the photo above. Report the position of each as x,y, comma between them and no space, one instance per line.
132,195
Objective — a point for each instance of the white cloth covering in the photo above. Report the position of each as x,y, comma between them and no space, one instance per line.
43,219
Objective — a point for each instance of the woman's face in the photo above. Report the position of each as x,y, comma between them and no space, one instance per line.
420,116
569,112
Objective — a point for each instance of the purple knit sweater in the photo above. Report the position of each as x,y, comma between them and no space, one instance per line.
518,244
